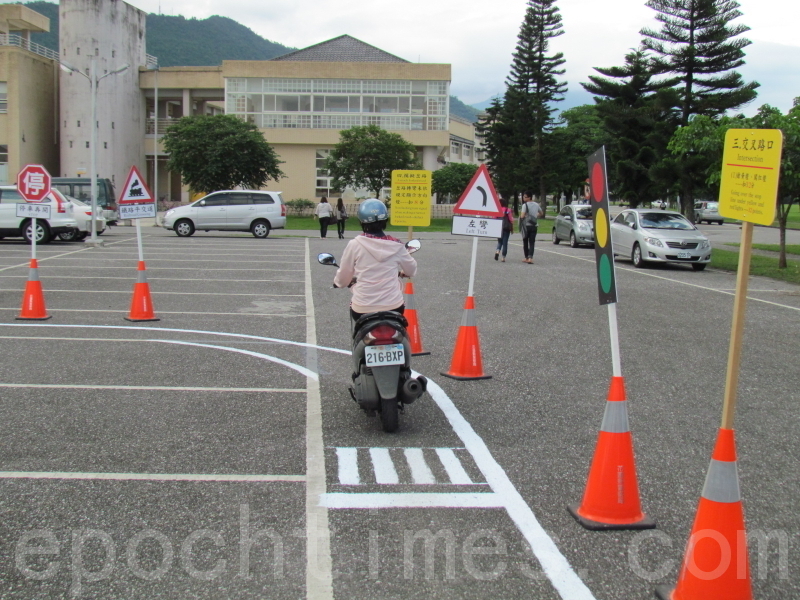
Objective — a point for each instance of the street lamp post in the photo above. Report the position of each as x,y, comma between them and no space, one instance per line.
155,137
93,82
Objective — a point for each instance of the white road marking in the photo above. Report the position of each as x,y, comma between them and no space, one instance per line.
451,464
44,258
412,500
347,459
151,476
71,277
165,388
133,270
420,472
153,293
171,312
383,466
203,260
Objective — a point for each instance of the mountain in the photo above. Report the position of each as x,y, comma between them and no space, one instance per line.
575,96
178,41
459,109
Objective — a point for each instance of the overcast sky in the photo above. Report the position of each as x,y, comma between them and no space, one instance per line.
477,37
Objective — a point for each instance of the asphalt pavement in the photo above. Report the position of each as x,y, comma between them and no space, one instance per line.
216,453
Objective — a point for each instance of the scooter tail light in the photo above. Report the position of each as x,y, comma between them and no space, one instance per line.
383,334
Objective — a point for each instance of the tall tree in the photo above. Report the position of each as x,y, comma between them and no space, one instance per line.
698,45
639,113
366,156
502,156
533,88
220,152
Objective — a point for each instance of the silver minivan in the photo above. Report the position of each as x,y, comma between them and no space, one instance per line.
708,212
255,211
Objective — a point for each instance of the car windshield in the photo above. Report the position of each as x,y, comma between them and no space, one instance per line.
584,213
664,221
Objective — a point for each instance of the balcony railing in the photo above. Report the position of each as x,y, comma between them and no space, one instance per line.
151,61
150,127
12,39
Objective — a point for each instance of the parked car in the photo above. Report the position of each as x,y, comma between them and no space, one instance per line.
229,210
83,217
647,235
81,188
61,217
708,212
574,223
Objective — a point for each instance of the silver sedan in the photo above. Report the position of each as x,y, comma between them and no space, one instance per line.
647,235
574,224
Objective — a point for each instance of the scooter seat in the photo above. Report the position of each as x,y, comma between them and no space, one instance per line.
385,315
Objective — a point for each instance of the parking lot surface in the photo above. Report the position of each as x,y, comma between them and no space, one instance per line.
216,453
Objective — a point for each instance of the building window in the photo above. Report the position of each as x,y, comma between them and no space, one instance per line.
79,123
105,145
3,97
70,143
113,54
97,51
3,163
87,144
112,124
455,149
322,181
467,153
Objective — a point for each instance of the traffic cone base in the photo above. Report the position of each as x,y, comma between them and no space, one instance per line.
410,313
141,305
466,363
33,307
611,498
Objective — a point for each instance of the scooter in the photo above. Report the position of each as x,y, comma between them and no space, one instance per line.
382,380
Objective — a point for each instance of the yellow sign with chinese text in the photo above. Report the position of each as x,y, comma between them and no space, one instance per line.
411,199
751,167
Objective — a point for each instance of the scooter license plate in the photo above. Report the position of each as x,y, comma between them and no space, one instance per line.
382,356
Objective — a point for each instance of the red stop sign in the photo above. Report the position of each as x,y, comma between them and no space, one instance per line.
33,183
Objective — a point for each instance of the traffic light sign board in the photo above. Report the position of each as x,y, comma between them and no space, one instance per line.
598,185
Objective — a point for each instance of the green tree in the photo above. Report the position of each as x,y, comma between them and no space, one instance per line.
220,153
502,155
452,180
532,89
698,45
366,156
639,114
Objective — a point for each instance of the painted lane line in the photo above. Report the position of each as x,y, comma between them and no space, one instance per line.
128,268
347,459
154,293
420,472
413,500
161,388
554,564
172,312
383,466
151,476
194,260
41,260
451,464
51,277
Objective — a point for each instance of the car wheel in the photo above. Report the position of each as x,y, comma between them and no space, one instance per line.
72,235
555,237
42,232
389,417
260,229
184,228
636,256
699,266
573,241
82,235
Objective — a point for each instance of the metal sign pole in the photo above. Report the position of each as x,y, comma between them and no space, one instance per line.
33,238
616,362
139,240
472,266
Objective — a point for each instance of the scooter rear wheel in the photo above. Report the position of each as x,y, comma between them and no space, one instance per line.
389,416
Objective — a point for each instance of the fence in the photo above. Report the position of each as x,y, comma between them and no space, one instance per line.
12,39
438,211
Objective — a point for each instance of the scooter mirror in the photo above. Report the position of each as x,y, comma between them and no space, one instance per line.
327,259
413,245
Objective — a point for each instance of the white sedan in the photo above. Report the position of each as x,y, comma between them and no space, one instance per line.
647,235
83,217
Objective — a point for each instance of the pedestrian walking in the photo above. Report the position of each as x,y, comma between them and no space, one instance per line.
529,225
324,213
341,212
508,229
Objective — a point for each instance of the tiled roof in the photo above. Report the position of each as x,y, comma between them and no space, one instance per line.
341,49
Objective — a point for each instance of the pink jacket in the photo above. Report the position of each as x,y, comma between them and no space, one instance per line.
375,262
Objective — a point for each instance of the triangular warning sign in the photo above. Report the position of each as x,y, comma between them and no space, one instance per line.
480,199
135,190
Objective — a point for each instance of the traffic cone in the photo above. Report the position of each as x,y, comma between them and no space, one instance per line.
611,499
410,314
466,363
33,307
142,305
716,564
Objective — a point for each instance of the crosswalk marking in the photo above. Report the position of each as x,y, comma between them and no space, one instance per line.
452,465
420,467
385,472
420,472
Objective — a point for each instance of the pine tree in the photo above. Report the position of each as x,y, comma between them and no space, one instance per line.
639,113
533,88
697,44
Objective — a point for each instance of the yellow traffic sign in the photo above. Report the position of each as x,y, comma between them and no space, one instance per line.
751,165
411,198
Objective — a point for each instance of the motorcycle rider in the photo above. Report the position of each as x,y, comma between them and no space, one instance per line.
374,260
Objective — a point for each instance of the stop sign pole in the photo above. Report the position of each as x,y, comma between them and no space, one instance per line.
33,184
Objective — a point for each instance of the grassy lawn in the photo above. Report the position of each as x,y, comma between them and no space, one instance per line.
437,225
790,248
763,266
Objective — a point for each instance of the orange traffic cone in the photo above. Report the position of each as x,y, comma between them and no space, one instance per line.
410,314
611,498
466,362
716,564
142,305
33,307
